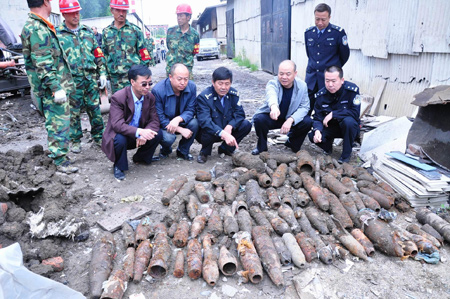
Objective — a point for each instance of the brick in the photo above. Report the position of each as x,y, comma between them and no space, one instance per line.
57,263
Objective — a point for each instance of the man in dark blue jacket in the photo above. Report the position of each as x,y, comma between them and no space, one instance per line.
336,113
326,45
175,104
221,116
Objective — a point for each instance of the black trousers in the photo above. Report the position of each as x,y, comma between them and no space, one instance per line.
207,140
143,154
263,123
312,99
347,129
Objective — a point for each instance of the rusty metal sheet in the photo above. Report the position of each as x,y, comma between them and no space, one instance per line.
433,96
123,212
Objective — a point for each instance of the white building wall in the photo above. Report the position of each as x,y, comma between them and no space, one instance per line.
221,24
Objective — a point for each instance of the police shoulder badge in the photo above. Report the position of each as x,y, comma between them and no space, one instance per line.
357,100
344,40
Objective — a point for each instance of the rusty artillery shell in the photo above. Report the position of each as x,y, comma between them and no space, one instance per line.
385,202
337,210
315,191
219,181
194,259
161,253
298,258
304,162
271,163
219,195
353,245
430,230
366,177
280,225
128,235
328,162
334,185
423,244
198,224
241,205
268,254
283,252
357,200
307,246
440,225
350,206
252,174
231,190
264,180
215,225
192,206
178,270
386,187
294,179
128,263
415,229
298,212
181,235
143,230
269,172
244,220
289,200
210,269
303,197
285,212
274,200
279,158
364,241
227,262
172,230
317,219
173,189
230,224
249,257
318,171
248,161
185,191
116,285
369,202
334,173
348,170
364,184
101,263
141,259
382,235
279,175
348,182
323,252
409,248
252,194
203,176
176,208
201,192
260,218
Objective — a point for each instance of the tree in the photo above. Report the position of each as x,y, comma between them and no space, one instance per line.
94,9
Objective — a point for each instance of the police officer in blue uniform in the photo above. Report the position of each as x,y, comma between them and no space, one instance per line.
220,116
326,45
336,113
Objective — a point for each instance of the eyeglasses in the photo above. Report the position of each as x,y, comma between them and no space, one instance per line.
144,84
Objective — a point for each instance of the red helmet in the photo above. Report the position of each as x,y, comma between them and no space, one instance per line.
147,33
68,6
120,4
184,8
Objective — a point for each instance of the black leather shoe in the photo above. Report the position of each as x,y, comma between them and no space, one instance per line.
327,153
187,157
289,145
220,150
159,157
202,158
342,160
119,174
255,152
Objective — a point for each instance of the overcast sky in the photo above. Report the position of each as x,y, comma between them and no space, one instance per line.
163,11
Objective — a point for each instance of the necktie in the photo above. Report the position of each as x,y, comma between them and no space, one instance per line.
319,34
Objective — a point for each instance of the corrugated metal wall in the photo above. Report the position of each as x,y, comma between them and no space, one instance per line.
405,43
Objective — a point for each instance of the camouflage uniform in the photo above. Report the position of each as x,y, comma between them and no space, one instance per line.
87,63
150,44
48,71
123,48
180,47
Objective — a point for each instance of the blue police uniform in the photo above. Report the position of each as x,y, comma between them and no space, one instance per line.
345,105
330,49
213,118
167,105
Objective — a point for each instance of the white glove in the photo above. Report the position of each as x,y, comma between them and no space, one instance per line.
60,96
102,82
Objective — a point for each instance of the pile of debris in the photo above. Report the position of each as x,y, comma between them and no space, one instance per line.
278,209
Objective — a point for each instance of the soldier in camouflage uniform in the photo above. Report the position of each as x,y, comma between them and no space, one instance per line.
50,79
123,46
87,63
182,40
150,44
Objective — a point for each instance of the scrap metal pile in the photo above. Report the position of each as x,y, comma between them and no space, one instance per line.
271,210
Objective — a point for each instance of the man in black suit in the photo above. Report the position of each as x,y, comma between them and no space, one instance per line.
220,116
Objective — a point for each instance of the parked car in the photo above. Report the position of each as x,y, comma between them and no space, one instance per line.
209,48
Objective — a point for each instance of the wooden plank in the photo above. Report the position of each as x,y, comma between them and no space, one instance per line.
374,107
123,212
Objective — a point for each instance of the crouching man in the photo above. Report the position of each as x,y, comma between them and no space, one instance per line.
336,115
133,122
220,116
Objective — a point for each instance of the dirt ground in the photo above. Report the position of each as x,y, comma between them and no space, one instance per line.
93,193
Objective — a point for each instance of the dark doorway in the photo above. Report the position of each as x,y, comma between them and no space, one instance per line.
230,33
275,33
